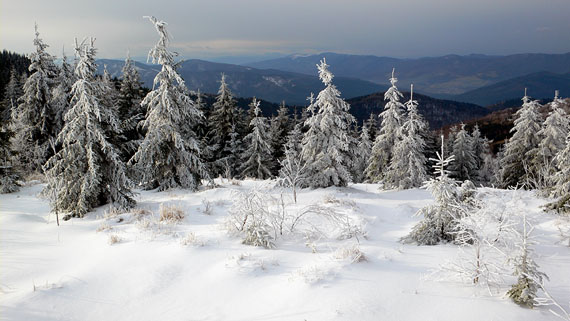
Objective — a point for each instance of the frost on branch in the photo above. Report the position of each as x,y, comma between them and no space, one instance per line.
170,154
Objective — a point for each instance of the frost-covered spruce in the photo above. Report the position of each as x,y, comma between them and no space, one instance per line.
529,278
407,167
481,151
280,127
326,143
130,110
517,166
170,154
392,118
8,175
257,158
12,92
553,133
361,155
87,171
34,117
439,223
61,95
561,180
223,117
464,166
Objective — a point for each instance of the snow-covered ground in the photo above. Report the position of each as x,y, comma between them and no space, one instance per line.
196,270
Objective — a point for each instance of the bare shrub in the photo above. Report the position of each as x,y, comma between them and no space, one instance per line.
353,254
114,238
192,239
207,208
103,227
170,213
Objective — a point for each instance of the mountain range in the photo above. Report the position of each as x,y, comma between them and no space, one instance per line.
269,84
451,77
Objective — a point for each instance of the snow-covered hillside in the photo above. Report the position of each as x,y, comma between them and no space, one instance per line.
133,266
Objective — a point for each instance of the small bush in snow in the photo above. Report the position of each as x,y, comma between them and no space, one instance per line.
104,227
191,239
353,254
170,213
207,208
114,238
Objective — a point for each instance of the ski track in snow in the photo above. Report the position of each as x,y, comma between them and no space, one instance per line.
71,272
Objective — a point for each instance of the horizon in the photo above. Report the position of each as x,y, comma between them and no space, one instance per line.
253,30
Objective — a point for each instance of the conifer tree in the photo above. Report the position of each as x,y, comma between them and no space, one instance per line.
517,166
257,159
326,143
553,133
170,154
407,167
440,220
561,180
223,117
87,171
372,125
361,155
61,96
464,166
8,175
280,126
389,130
130,111
481,150
34,117
12,93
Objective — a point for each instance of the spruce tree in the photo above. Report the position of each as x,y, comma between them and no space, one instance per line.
561,180
389,130
130,110
87,171
61,96
12,93
223,118
553,133
464,167
407,167
170,154
440,220
517,163
481,150
326,143
361,155
34,117
257,159
8,174
280,126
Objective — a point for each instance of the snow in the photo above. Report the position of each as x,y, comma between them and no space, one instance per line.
196,270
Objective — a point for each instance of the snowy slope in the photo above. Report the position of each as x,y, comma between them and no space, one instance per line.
159,272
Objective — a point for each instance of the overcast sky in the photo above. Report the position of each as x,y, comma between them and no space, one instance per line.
213,28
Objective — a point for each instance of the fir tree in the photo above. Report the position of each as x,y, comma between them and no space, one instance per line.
130,110
361,155
407,167
170,154
372,125
553,133
529,279
280,126
520,151
439,223
61,97
34,117
561,180
481,151
223,118
8,176
389,130
326,143
257,160
464,166
87,171
12,93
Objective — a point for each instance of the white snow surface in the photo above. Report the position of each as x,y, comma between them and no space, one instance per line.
196,270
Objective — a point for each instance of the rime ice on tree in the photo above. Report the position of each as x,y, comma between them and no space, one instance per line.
325,144
87,171
169,156
384,143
